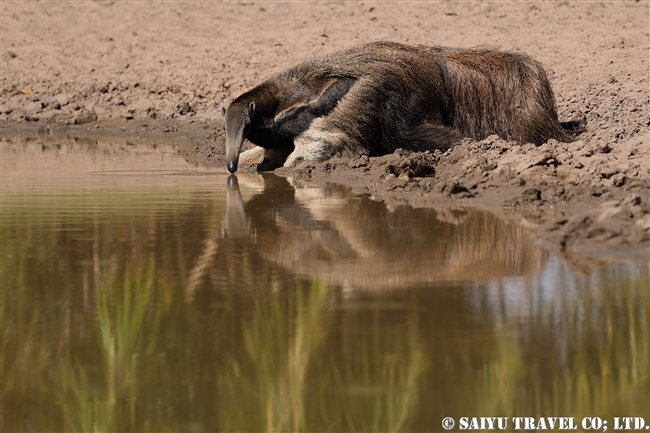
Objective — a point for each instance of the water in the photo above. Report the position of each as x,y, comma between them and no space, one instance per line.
140,293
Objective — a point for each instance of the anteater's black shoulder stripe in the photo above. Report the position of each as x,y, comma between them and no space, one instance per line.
316,99
331,95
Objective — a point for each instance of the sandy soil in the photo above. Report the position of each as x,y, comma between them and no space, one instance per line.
161,70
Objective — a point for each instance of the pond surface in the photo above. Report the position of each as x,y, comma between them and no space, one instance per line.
140,293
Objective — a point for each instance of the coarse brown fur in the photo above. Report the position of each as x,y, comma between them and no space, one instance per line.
378,97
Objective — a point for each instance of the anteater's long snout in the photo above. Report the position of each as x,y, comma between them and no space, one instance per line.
233,148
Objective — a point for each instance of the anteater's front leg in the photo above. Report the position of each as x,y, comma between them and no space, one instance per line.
264,159
253,156
318,143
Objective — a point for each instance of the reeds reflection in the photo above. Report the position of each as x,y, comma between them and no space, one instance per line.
187,301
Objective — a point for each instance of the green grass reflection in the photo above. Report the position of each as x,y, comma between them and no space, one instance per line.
377,388
280,342
139,357
107,402
591,360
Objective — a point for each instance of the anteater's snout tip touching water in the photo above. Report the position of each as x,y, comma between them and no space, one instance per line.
232,182
231,166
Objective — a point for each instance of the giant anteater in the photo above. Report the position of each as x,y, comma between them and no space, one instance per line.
377,97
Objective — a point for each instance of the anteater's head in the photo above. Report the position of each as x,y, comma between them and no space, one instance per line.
237,125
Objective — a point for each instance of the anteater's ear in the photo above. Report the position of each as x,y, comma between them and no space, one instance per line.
223,111
251,109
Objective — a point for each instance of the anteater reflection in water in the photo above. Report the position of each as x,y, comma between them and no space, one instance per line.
324,234
375,98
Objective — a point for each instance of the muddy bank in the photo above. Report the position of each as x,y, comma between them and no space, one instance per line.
160,71
588,200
